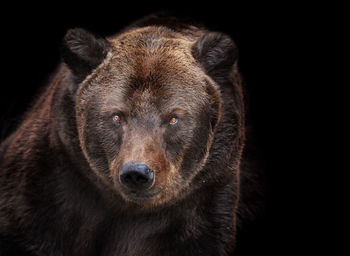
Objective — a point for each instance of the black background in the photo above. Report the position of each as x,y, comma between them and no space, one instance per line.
269,39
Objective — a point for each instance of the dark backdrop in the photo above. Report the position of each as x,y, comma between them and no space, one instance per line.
267,38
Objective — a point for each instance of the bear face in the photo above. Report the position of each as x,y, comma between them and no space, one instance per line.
151,104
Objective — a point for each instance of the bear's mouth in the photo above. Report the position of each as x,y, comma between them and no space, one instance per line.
142,197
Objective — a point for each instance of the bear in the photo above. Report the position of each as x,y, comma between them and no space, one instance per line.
134,147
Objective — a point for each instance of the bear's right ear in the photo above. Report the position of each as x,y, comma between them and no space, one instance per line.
83,52
216,52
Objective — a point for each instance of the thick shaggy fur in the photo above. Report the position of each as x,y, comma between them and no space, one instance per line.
59,187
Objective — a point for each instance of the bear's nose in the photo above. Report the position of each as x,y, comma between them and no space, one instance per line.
136,175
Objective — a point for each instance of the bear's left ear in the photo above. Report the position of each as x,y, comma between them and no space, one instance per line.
217,53
83,52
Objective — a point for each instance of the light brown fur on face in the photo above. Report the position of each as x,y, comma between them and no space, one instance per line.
141,146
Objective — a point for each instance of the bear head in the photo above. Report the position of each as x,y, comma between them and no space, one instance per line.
147,106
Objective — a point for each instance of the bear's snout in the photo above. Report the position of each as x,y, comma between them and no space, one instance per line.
136,176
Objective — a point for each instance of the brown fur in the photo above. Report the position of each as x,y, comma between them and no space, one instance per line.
60,169
155,61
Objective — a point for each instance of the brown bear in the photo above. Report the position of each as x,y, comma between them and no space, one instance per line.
133,149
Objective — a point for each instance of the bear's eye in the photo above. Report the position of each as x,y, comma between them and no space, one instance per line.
116,119
173,121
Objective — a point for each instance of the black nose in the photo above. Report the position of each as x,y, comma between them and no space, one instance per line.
135,175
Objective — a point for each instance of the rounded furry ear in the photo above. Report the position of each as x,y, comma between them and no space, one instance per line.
217,53
83,52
